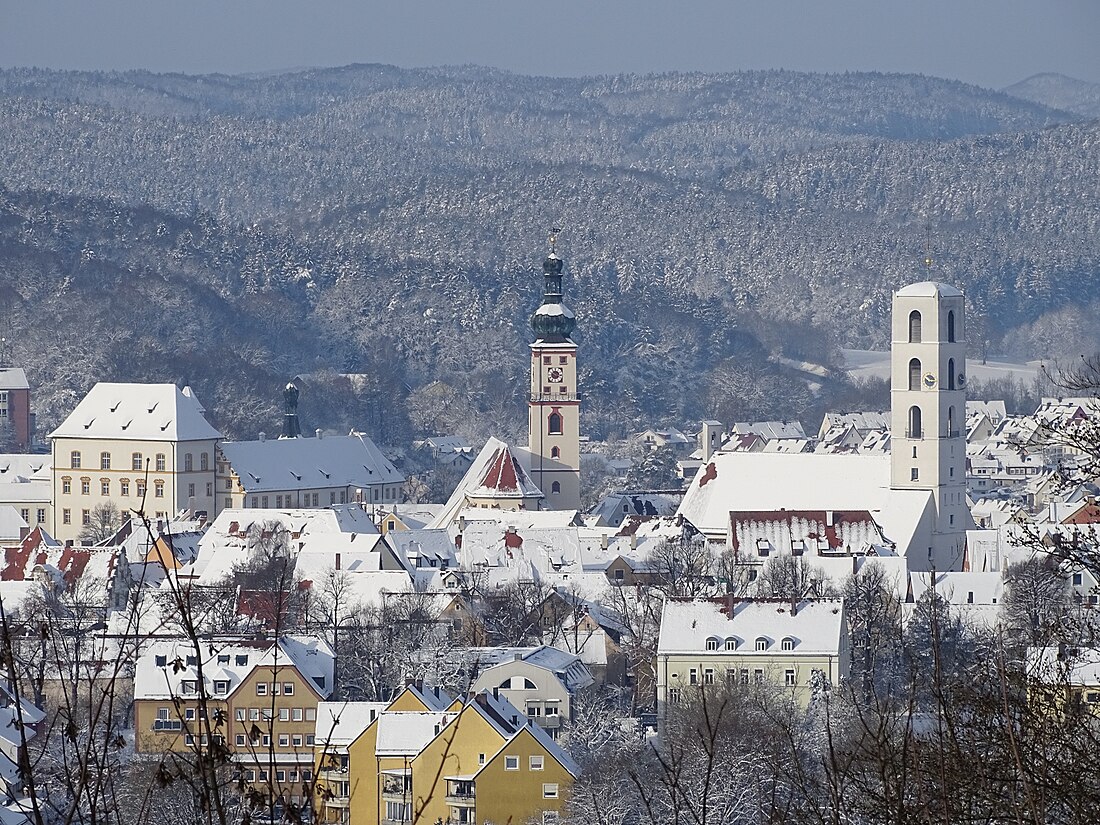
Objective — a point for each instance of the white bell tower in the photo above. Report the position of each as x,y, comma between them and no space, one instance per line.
928,410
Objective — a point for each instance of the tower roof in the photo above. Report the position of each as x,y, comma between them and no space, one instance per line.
504,477
929,289
553,321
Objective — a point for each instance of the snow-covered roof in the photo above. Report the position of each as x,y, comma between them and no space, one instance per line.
567,667
408,732
813,532
473,479
984,588
24,467
13,378
146,412
815,627
167,663
309,463
1079,667
770,429
807,481
504,477
929,289
340,723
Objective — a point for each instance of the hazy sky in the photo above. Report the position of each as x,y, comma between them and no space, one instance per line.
990,42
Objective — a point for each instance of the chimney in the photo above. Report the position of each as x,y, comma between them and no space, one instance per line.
263,436
517,657
461,523
496,693
603,541
337,561
794,605
633,541
319,434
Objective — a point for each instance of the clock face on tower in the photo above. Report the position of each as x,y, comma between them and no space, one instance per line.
555,375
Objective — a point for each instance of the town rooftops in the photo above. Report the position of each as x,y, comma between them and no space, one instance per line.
813,532
309,463
813,627
145,412
504,477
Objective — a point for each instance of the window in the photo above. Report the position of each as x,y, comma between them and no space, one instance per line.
758,675
951,326
190,490
105,461
209,489
158,488
712,644
221,687
297,714
554,423
950,373
263,499
105,487
240,740
309,740
731,644
788,643
550,790
261,689
914,327
331,498
188,463
85,486
204,461
241,713
914,474
693,676
789,677
284,714
296,740
511,763
555,452
744,675
761,643
140,488
136,461
160,462
275,688
124,487
916,427
288,688
674,696
555,487
914,374
311,714
535,763
253,714
74,459
708,676
161,660
284,740
1077,578
951,433
481,759
189,714
66,485
66,516
40,515
85,517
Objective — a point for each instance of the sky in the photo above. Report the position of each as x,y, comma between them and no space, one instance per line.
992,43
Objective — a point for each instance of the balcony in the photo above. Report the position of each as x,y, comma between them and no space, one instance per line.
460,791
339,802
537,397
460,800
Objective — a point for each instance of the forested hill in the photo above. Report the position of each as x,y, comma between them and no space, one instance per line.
391,222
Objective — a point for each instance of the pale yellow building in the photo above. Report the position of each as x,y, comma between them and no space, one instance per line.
428,759
261,697
137,446
744,642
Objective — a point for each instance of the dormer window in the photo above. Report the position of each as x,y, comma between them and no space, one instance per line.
763,546
761,644
798,547
731,643
712,643
788,643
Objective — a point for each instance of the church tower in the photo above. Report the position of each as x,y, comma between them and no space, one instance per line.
553,419
928,409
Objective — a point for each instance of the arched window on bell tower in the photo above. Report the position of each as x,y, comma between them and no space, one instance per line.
555,487
914,374
951,421
555,452
951,326
914,327
950,373
554,423
915,430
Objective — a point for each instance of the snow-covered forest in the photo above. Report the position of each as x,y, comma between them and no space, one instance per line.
232,232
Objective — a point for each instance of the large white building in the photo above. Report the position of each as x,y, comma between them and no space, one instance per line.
138,446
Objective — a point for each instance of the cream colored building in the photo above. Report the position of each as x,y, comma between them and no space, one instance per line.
744,642
139,446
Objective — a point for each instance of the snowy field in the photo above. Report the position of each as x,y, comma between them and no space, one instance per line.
862,363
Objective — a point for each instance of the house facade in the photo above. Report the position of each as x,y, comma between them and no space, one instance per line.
136,446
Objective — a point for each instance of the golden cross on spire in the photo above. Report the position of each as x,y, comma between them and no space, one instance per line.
554,240
928,246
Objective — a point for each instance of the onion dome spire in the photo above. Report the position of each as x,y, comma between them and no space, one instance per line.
553,321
